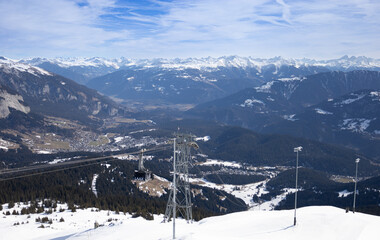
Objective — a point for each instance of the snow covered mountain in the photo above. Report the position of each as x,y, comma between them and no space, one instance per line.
191,80
210,63
49,94
78,69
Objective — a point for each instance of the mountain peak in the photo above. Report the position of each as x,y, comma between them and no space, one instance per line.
12,65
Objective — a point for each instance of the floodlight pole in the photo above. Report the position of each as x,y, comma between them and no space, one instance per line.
356,181
297,149
174,190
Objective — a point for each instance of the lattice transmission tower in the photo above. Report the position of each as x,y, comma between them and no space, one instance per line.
180,194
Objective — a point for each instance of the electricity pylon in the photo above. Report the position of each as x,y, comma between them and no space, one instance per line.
180,195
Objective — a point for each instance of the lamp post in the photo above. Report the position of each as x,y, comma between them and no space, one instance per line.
356,181
296,150
174,189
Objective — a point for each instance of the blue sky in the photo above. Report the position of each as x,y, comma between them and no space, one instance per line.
320,29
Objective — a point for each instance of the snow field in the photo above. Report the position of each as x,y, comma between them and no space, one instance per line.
313,223
74,223
317,222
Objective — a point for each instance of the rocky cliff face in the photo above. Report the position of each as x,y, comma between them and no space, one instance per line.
10,101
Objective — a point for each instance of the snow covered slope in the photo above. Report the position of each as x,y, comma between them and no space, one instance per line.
317,222
9,65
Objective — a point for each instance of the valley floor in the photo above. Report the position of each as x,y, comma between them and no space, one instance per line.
317,222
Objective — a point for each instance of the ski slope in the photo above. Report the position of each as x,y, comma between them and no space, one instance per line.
317,222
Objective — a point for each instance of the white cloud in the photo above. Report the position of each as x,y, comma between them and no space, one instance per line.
262,28
53,27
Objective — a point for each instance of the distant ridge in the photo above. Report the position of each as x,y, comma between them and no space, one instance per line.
345,62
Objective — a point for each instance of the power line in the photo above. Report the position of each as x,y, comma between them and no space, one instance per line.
220,179
226,197
45,172
94,161
45,166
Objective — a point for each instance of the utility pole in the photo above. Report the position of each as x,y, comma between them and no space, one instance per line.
180,195
297,149
356,181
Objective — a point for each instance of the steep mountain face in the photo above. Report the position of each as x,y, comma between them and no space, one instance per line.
49,94
281,99
189,80
352,120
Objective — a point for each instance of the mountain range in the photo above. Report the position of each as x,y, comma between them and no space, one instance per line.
343,63
192,80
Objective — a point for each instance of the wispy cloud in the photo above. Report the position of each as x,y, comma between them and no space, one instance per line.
154,28
54,27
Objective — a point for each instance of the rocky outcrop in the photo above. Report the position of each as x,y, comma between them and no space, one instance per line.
8,101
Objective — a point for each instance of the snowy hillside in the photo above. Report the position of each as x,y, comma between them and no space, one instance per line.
318,222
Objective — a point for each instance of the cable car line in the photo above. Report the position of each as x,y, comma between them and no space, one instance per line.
220,179
93,161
